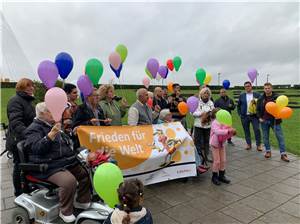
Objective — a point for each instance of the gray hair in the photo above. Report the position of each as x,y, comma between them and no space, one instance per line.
139,92
204,90
40,108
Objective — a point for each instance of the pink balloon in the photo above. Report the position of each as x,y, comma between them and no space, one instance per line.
115,60
48,73
56,101
146,82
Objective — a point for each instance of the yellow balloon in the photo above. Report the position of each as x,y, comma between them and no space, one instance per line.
282,101
207,79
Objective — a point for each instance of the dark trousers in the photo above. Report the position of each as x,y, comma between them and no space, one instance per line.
201,136
67,182
16,173
246,120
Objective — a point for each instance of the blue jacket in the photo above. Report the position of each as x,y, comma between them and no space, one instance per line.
242,103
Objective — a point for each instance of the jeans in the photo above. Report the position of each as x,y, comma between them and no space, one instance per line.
246,120
266,125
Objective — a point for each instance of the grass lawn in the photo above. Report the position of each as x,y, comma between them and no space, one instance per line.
291,127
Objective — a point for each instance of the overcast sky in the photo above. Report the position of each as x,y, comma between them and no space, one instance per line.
228,38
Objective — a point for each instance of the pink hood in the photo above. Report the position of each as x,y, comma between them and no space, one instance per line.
219,133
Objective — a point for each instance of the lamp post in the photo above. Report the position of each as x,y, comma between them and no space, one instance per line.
268,77
256,79
219,74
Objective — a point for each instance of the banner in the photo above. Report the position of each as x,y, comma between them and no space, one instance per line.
151,153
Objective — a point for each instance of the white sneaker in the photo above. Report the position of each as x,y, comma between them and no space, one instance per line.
67,218
82,205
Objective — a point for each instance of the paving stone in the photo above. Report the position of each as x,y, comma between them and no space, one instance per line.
272,195
259,204
156,205
266,178
288,170
6,216
242,212
279,217
254,184
206,202
224,197
296,200
240,190
183,213
278,174
161,218
173,197
9,202
8,192
291,208
217,218
292,182
286,189
294,164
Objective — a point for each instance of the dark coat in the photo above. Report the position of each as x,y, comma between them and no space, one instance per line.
260,108
242,104
162,103
57,154
20,113
84,114
225,103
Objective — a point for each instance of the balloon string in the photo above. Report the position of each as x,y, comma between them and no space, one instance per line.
121,88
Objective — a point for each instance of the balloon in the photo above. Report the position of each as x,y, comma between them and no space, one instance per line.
170,87
183,108
163,71
152,66
285,113
158,77
272,108
282,101
56,102
148,73
192,103
177,63
122,50
94,70
207,79
107,179
85,85
146,82
150,102
170,64
64,63
226,84
118,71
114,60
252,74
48,73
224,117
200,75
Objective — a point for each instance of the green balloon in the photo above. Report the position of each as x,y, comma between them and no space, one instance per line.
94,70
177,62
224,117
200,75
148,73
122,50
107,179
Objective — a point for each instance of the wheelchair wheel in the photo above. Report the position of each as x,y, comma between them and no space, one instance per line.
20,216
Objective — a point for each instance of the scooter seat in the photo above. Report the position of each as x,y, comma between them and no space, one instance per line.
42,182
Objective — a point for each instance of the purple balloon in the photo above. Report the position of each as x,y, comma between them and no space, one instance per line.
192,103
163,71
152,66
252,74
85,85
48,73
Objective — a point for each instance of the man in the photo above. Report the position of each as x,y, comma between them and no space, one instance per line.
158,99
268,121
47,144
140,113
245,104
225,103
72,95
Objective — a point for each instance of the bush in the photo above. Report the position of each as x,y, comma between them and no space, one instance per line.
41,89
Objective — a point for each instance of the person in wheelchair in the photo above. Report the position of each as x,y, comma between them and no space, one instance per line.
46,143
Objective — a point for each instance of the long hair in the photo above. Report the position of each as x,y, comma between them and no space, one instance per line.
130,193
103,90
204,90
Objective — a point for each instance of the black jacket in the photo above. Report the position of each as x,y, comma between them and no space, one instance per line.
84,114
57,154
225,103
20,113
162,103
260,108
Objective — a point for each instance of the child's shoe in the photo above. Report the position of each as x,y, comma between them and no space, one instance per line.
215,179
222,177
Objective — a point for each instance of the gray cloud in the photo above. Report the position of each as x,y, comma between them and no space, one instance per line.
228,38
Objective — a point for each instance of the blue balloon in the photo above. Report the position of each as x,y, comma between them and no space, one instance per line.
226,84
64,63
118,71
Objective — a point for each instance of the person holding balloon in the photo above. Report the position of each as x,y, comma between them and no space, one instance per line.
270,121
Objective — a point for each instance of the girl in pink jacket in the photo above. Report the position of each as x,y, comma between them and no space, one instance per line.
218,135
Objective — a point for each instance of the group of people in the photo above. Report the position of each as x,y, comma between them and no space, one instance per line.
53,143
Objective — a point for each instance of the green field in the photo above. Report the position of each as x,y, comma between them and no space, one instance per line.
291,127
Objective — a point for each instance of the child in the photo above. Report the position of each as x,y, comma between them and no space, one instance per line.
130,211
218,135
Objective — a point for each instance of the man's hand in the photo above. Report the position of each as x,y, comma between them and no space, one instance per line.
94,121
157,108
107,121
261,120
55,129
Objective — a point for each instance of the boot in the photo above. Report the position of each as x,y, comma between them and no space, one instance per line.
222,177
215,179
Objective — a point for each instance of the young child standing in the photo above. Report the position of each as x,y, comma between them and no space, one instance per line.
130,211
218,136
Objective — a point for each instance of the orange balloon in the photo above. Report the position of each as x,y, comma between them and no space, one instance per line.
285,113
170,87
272,108
183,108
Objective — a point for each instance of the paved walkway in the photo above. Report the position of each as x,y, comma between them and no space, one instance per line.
262,191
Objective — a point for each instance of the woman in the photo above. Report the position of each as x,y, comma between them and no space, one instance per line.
109,105
20,113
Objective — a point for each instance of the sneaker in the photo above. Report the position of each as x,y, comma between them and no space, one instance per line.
259,148
268,155
248,147
67,218
285,158
82,205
